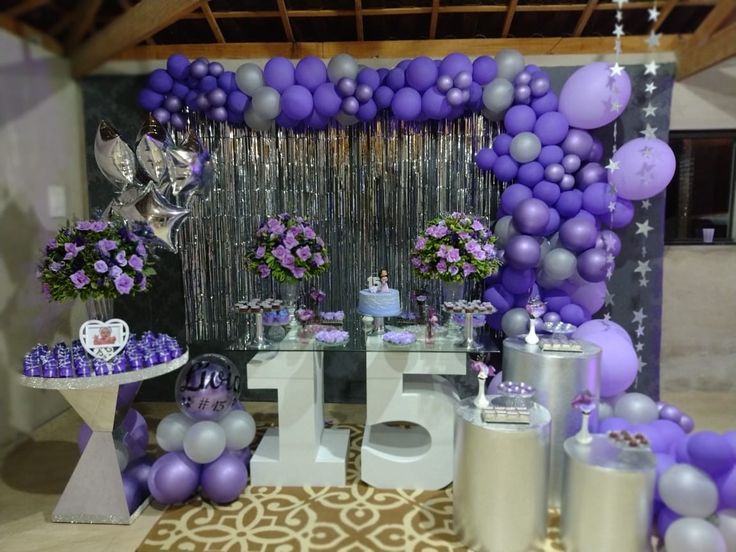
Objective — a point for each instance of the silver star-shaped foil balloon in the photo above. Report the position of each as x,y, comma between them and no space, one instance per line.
150,150
187,169
153,209
114,157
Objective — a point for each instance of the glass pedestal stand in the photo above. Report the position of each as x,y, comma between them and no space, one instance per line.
379,326
259,341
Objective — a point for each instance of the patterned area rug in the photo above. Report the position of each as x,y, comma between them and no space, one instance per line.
354,518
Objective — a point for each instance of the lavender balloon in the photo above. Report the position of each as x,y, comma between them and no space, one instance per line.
326,100
346,87
551,127
646,167
207,387
484,70
505,168
513,196
591,296
578,142
363,93
485,158
554,172
567,182
547,192
711,452
578,234
310,72
406,104
530,173
455,97
224,479
598,198
522,252
278,73
570,203
531,216
592,97
520,118
550,155
421,73
173,478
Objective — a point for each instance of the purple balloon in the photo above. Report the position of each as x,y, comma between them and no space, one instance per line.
326,100
278,73
574,314
499,297
421,73
522,94
310,72
191,99
578,233
665,518
237,101
598,197
297,102
671,432
369,77
578,142
455,97
513,196
134,492
551,318
505,168
586,98
455,63
139,469
177,121
444,83
203,104
711,452
317,121
160,81
180,90
346,87
523,77
554,172
215,68
522,252
207,387
531,216
502,144
363,93
550,155
217,114
520,118
177,66
434,104
570,203
463,80
670,412
207,84
601,326
567,182
592,265
590,296
224,479
149,100
485,159
726,483
530,173
406,104
622,215
161,115
571,163
484,70
551,127
646,167
517,281
612,423
173,478
681,454
545,104
126,394
198,69
554,222
217,97
395,79
539,85
367,111
227,82
596,152
383,96
590,174
350,105
404,63
556,299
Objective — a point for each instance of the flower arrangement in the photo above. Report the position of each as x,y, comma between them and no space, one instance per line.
399,338
332,337
455,247
287,249
95,259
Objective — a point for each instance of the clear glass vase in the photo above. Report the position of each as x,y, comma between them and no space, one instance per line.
100,308
453,291
289,292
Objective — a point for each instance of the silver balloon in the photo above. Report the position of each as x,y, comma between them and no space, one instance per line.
605,410
240,429
690,534
342,65
152,208
267,102
186,167
171,430
255,121
559,264
492,115
525,147
204,442
515,322
114,157
554,240
498,95
544,247
150,150
636,408
727,526
510,63
249,78
504,230
346,120
688,491
546,281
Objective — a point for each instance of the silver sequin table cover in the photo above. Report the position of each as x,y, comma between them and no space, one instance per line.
558,377
500,480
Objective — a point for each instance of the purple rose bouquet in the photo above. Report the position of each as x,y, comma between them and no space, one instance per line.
453,248
95,259
287,249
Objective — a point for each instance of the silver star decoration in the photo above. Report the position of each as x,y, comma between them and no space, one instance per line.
649,132
639,346
611,206
646,204
642,268
609,273
615,106
618,30
639,317
643,250
646,152
649,110
640,331
642,364
653,13
651,68
607,316
643,228
650,88
617,46
619,15
610,258
616,69
612,165
609,298
643,282
653,39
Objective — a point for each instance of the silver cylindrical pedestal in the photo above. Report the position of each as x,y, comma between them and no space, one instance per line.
607,497
500,481
558,377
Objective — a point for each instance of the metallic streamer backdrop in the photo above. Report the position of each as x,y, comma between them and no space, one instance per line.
368,189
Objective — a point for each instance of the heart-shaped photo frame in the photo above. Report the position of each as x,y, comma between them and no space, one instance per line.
104,340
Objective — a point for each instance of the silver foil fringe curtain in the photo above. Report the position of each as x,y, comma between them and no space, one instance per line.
368,189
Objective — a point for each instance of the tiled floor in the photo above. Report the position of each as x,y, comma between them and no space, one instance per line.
33,474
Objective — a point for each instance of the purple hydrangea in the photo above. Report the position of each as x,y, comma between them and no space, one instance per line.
101,267
309,233
79,279
136,262
290,241
124,284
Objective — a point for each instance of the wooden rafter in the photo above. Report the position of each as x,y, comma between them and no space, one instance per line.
284,14
212,22
433,19
509,18
714,20
141,21
664,14
84,16
62,24
31,34
359,19
125,4
585,17
25,7
693,59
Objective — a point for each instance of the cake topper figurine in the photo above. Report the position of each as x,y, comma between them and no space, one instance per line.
373,284
383,276
432,321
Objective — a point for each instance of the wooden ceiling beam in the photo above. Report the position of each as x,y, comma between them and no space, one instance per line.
125,4
664,14
401,48
84,16
62,23
433,19
359,19
714,21
212,22
284,14
585,17
31,34
509,18
25,7
719,47
141,21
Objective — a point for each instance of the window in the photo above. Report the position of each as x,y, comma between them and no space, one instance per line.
701,194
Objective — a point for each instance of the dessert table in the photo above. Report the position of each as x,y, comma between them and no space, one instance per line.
94,492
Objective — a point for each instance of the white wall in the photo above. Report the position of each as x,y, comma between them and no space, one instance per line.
41,145
707,100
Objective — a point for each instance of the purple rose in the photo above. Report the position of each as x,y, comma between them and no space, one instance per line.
317,259
115,271
72,250
124,284
141,250
442,252
290,241
416,262
280,252
424,269
479,254
260,252
98,225
464,236
84,225
320,242
275,227
51,244
477,225
420,243
79,279
100,267
472,246
453,254
490,250
105,246
288,261
297,271
456,215
454,270
136,262
120,258
143,284
264,270
303,253
56,267
468,269
309,233
317,295
442,266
